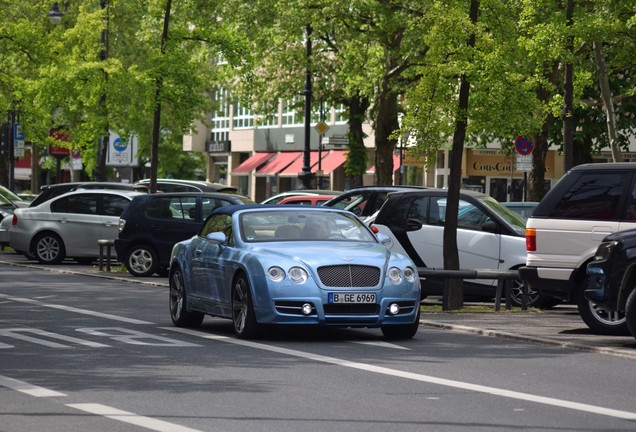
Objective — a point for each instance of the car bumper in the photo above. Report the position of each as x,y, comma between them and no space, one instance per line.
597,285
548,281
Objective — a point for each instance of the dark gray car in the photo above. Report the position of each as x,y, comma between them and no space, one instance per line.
154,223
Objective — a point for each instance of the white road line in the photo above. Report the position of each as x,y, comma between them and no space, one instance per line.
76,310
418,377
131,418
27,388
382,345
19,333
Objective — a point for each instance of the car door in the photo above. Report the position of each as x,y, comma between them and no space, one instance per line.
110,207
78,223
478,249
170,220
208,262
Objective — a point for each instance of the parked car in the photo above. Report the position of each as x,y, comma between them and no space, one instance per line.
287,265
489,236
69,225
7,208
275,199
364,201
315,200
522,208
178,185
151,225
50,191
611,281
7,195
588,203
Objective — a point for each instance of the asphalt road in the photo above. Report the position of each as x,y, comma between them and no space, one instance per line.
81,352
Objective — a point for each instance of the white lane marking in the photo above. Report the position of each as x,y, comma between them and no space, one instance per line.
27,388
418,377
382,345
76,310
131,418
18,333
134,337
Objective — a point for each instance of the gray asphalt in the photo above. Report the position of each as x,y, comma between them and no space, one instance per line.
560,326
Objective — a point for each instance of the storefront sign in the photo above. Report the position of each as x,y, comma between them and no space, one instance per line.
219,147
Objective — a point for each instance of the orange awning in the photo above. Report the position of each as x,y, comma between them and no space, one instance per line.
332,161
253,162
279,163
297,165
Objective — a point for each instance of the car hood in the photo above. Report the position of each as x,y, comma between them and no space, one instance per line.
317,254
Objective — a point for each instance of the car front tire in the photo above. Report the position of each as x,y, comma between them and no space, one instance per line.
179,314
142,261
48,248
245,325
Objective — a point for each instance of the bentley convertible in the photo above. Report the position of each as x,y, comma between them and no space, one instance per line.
292,265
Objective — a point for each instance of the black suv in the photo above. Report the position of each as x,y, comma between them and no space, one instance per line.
611,280
152,224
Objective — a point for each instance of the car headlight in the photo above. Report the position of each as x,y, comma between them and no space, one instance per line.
276,274
298,275
409,274
395,275
604,250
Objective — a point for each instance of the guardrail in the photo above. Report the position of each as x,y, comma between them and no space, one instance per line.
503,277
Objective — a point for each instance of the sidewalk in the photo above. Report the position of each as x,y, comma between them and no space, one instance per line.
560,326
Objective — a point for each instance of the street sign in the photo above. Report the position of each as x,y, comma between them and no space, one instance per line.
524,163
523,145
18,141
321,127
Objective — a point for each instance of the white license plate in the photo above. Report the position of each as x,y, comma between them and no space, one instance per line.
352,298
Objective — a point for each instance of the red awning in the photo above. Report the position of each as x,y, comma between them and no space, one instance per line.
332,161
253,162
297,165
279,163
396,165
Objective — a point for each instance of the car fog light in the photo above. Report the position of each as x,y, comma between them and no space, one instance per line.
394,308
307,308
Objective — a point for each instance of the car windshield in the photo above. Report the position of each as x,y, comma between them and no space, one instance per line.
299,225
515,221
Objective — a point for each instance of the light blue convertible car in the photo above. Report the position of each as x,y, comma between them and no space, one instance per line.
298,265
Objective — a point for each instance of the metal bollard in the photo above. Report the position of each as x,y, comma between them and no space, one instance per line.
108,244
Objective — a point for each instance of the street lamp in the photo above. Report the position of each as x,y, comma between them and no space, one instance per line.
305,175
55,14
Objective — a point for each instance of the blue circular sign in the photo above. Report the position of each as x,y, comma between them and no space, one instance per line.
119,144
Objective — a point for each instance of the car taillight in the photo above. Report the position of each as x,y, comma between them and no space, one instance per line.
374,229
14,221
531,239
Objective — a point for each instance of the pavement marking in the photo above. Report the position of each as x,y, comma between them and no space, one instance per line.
27,388
417,377
131,418
75,310
382,345
21,334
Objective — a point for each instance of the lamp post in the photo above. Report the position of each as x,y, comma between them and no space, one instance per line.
305,175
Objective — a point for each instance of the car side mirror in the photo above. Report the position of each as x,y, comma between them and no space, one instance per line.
413,224
385,240
491,226
217,237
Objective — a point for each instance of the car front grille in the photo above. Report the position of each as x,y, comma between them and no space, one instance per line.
349,276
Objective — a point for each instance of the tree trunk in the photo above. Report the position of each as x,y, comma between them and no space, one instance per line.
567,115
608,103
386,122
356,164
454,289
